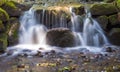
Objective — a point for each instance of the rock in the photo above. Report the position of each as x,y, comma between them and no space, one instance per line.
103,21
114,36
113,19
2,28
61,37
22,7
12,31
3,42
11,9
3,15
103,9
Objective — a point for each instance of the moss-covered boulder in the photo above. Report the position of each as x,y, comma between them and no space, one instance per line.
12,31
3,42
114,36
103,9
11,9
61,37
103,21
113,19
3,15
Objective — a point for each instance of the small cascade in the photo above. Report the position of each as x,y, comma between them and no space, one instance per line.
30,31
34,26
90,33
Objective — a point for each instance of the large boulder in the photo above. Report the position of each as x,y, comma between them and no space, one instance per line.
11,9
61,37
12,31
3,15
103,9
103,21
114,36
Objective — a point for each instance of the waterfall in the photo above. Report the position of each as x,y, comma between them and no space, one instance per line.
30,31
88,30
34,26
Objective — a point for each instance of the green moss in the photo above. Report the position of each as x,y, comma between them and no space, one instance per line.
103,9
1,26
2,2
10,4
113,19
3,15
3,39
118,3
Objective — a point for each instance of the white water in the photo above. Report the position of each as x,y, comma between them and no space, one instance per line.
89,34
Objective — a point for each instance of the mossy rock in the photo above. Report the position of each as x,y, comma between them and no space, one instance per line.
11,9
3,15
12,31
113,19
103,9
3,42
61,37
2,28
103,21
2,2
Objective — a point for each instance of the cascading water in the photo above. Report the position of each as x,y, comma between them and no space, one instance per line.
33,29
91,34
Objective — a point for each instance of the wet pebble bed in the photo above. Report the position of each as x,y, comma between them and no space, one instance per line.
64,62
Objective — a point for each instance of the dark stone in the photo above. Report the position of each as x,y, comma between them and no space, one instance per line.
114,36
61,37
103,21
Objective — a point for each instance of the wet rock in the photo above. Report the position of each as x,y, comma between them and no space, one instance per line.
12,31
103,21
114,36
39,53
11,9
109,49
103,9
61,37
